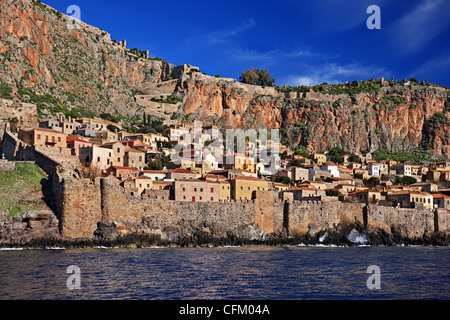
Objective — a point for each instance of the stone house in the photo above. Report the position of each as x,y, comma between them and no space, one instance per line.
319,158
411,199
195,191
181,174
75,144
335,181
117,151
242,187
298,174
98,124
362,172
43,137
224,190
122,173
90,132
177,133
401,169
143,183
367,196
345,188
129,184
134,158
441,201
162,185
314,184
424,186
303,193
67,127
132,143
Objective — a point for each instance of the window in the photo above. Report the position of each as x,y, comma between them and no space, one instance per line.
195,189
39,137
212,199
184,189
98,159
212,190
200,198
118,150
201,189
248,188
242,188
59,139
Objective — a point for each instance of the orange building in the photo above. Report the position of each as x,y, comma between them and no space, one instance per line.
43,137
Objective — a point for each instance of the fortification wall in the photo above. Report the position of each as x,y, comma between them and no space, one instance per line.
310,217
118,205
81,208
86,202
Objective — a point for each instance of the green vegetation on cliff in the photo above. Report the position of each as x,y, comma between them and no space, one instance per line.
21,189
416,156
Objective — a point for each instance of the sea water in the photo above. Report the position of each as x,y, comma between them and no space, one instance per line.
243,273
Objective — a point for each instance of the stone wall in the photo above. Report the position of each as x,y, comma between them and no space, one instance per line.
7,166
80,208
310,217
410,223
118,205
86,202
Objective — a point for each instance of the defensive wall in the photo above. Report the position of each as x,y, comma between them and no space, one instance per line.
86,202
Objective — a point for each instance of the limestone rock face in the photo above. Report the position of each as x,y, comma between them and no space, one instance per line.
354,123
39,50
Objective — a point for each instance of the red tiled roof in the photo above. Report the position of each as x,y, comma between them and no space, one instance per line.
76,139
440,195
304,188
125,168
180,170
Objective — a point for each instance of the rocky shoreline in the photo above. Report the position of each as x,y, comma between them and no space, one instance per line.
39,230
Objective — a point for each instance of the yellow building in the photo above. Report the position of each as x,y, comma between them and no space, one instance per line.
239,161
143,183
242,187
319,158
224,191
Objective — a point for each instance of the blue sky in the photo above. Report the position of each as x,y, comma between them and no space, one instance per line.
298,42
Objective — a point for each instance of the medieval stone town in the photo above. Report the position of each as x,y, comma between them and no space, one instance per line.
141,162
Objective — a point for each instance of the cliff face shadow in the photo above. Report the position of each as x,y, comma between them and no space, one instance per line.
47,193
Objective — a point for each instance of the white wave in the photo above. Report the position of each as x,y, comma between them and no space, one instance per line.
357,237
322,238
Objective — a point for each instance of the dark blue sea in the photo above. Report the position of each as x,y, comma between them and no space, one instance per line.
226,273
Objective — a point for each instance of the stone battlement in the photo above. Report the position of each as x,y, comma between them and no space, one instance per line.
85,202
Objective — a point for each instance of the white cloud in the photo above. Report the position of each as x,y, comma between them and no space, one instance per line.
416,28
433,66
225,35
334,73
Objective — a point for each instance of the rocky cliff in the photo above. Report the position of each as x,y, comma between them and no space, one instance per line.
60,69
78,67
